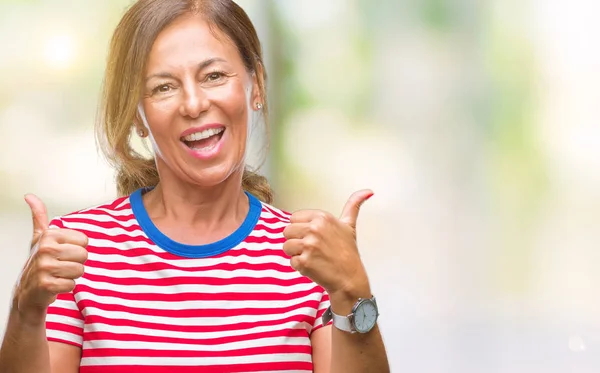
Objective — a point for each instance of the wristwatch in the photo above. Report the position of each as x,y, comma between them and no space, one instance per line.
361,320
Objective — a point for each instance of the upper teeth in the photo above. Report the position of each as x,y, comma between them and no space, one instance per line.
203,134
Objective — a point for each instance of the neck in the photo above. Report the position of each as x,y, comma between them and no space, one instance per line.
212,213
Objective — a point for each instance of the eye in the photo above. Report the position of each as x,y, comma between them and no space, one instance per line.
215,76
163,88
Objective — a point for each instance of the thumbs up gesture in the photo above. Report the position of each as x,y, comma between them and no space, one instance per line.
56,260
323,247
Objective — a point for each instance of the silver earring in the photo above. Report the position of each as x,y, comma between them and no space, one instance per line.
258,106
141,132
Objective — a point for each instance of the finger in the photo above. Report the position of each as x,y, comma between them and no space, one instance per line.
293,247
39,215
68,236
71,253
352,207
58,285
68,270
296,230
298,262
305,216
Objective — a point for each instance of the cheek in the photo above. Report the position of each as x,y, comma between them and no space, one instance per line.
158,115
155,116
160,118
233,98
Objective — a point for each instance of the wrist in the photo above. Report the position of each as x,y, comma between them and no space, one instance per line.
344,299
28,316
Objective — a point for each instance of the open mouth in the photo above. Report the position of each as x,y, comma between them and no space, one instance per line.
204,140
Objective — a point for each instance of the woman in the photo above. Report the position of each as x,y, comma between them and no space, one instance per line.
191,269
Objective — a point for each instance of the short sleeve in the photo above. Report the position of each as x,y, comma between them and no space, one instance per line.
323,305
64,321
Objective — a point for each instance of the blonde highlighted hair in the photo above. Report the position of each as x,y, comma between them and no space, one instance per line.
128,52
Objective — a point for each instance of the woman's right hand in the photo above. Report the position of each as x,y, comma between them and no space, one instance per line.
56,260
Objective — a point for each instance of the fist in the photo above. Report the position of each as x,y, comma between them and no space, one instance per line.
323,247
56,260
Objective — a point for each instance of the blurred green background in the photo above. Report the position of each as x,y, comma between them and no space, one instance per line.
475,123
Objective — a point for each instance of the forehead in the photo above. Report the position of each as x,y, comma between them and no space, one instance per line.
189,40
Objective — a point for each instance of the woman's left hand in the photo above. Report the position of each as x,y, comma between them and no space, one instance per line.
323,247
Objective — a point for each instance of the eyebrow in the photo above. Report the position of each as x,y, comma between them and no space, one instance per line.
201,66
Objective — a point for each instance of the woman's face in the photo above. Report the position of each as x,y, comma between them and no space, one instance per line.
197,96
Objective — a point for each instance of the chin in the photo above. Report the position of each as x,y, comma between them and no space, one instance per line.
216,175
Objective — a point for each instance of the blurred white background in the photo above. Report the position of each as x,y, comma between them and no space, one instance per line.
475,123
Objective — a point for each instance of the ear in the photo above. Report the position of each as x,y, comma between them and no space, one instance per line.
258,80
138,124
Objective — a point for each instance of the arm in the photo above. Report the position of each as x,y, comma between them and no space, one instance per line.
56,260
338,351
321,349
64,358
26,350
356,352
324,249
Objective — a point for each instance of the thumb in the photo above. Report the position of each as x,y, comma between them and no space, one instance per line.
38,214
352,207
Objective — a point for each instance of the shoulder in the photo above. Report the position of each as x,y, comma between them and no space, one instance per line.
118,209
274,214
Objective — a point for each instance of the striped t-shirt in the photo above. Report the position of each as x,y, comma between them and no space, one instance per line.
149,304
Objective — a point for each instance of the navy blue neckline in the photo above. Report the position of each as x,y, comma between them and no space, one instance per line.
194,251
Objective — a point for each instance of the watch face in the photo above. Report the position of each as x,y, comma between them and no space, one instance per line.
365,317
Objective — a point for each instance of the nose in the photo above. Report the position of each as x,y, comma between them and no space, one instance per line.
195,101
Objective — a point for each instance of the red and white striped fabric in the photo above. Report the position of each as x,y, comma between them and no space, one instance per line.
149,304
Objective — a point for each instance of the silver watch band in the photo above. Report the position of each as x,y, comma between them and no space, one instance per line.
342,322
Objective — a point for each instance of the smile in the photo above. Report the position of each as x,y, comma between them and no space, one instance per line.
203,144
204,140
